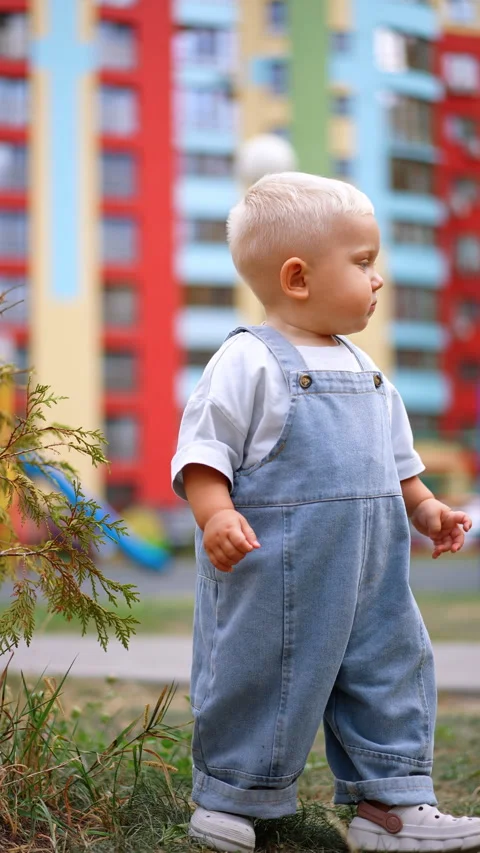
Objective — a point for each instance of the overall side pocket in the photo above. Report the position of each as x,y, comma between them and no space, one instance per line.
204,628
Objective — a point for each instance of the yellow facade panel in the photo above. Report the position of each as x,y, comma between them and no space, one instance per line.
339,15
341,137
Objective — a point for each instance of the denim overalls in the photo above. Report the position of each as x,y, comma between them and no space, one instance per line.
320,621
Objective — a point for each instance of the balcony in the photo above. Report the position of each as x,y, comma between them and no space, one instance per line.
422,391
205,13
205,263
205,197
412,18
413,334
205,328
209,141
415,207
423,265
413,84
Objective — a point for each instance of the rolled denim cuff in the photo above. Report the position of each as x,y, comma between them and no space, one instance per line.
394,791
215,795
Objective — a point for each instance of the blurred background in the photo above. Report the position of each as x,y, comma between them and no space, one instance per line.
126,131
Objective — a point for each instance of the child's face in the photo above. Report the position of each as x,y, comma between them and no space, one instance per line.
342,280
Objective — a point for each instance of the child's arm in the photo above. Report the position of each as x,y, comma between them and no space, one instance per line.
445,527
227,535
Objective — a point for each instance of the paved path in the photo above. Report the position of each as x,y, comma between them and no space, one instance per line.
166,659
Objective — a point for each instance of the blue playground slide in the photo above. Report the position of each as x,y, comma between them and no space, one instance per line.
149,556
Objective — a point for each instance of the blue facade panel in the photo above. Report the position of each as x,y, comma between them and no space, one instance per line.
188,378
414,84
205,263
423,265
205,198
205,328
413,207
423,391
416,19
409,334
199,76
206,141
202,13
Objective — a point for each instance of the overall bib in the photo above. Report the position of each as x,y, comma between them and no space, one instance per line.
318,622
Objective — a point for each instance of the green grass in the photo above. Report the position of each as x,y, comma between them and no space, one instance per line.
449,618
76,776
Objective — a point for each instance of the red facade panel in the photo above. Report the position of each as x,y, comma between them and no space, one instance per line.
458,184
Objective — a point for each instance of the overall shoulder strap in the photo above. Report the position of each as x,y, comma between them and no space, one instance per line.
286,353
356,351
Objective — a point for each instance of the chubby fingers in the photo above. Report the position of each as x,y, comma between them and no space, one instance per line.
452,541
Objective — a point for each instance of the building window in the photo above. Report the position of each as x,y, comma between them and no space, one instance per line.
464,132
122,434
469,310
410,176
13,36
21,362
427,425
278,76
116,4
396,51
215,48
419,359
117,46
416,303
467,254
13,234
461,72
118,110
202,231
341,41
119,305
201,109
121,495
342,105
14,305
119,240
204,296
199,358
13,167
414,233
343,168
469,370
411,120
210,165
464,195
119,371
461,11
276,16
13,102
119,175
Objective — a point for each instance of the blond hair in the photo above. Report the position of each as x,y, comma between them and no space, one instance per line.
284,214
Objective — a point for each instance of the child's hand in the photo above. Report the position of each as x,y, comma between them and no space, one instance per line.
227,537
445,527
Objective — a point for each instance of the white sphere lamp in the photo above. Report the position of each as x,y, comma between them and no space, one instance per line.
265,154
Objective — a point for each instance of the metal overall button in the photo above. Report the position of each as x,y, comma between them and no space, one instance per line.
305,380
377,380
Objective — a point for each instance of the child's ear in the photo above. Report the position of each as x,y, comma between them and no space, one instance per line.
293,279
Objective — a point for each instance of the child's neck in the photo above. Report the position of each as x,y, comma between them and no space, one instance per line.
300,337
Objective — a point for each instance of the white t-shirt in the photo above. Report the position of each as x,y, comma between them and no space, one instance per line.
237,411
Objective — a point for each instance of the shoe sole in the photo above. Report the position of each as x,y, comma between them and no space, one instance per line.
360,839
219,842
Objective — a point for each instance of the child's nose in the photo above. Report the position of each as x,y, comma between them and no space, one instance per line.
377,282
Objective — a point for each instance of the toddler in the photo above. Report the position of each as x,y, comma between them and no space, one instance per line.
297,459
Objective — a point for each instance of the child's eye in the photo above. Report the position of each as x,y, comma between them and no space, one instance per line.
364,264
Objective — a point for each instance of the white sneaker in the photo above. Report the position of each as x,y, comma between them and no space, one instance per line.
413,828
229,833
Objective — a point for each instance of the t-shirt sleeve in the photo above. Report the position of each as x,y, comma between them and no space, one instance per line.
408,461
216,419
